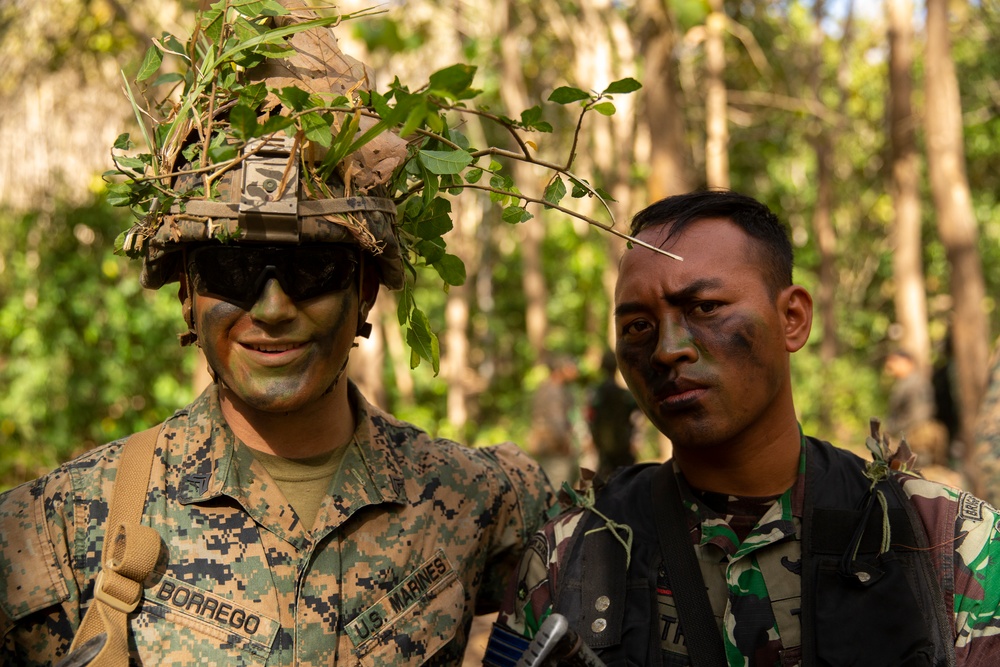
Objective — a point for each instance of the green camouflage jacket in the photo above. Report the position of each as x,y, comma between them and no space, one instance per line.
754,617
416,536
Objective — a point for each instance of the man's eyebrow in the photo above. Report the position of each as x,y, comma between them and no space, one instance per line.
693,289
681,296
628,308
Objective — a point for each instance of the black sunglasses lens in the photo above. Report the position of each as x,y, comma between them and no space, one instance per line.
316,271
236,273
225,271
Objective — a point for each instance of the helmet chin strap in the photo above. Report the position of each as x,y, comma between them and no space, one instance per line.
364,326
190,337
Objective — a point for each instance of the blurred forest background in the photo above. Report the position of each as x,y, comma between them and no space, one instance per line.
872,128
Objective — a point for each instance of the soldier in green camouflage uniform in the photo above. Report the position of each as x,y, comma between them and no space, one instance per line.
704,346
299,525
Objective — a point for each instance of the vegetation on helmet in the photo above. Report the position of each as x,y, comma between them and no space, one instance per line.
218,101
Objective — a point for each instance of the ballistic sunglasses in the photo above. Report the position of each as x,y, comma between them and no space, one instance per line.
238,273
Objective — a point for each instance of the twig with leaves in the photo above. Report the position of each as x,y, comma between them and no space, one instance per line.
211,97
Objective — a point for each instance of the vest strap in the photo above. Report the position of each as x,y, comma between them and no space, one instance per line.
701,634
129,554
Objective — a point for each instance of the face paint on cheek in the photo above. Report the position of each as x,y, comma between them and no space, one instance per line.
213,327
734,337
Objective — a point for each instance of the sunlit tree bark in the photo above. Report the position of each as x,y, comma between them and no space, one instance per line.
956,221
716,103
822,139
908,271
515,97
664,110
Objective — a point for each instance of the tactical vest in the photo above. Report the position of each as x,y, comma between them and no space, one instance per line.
871,609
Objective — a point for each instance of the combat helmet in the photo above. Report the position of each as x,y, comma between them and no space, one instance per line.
268,188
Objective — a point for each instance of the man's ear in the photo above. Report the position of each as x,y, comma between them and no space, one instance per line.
795,307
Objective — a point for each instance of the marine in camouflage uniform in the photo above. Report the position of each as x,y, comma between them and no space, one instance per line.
412,535
415,536
796,569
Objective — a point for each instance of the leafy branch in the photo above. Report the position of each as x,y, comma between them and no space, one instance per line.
213,109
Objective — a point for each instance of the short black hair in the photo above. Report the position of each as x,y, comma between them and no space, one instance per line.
750,215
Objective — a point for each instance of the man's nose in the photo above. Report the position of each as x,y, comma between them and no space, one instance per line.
674,343
272,304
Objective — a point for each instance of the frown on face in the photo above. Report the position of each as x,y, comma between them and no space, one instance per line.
703,343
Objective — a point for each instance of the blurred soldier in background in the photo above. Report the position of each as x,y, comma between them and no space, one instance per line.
551,440
610,415
986,461
912,410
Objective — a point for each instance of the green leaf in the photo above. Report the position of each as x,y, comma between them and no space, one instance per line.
276,124
250,9
413,120
605,108
435,122
515,215
123,142
431,250
221,152
119,194
445,162
568,95
243,121
604,194
422,340
135,163
451,269
626,85
294,98
531,116
253,95
169,77
317,129
436,221
150,63
473,175
555,191
580,189
405,304
453,80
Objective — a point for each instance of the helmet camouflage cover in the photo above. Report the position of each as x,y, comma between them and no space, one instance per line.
269,194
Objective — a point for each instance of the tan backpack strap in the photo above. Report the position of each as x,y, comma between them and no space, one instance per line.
130,552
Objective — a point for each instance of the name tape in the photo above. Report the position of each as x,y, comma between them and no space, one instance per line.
423,582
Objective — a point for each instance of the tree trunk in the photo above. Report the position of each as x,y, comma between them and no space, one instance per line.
664,112
515,97
826,239
716,104
955,218
455,362
907,264
613,138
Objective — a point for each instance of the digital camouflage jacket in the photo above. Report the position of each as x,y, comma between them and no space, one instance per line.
754,585
416,535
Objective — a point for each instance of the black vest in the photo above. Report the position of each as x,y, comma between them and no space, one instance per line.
898,616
